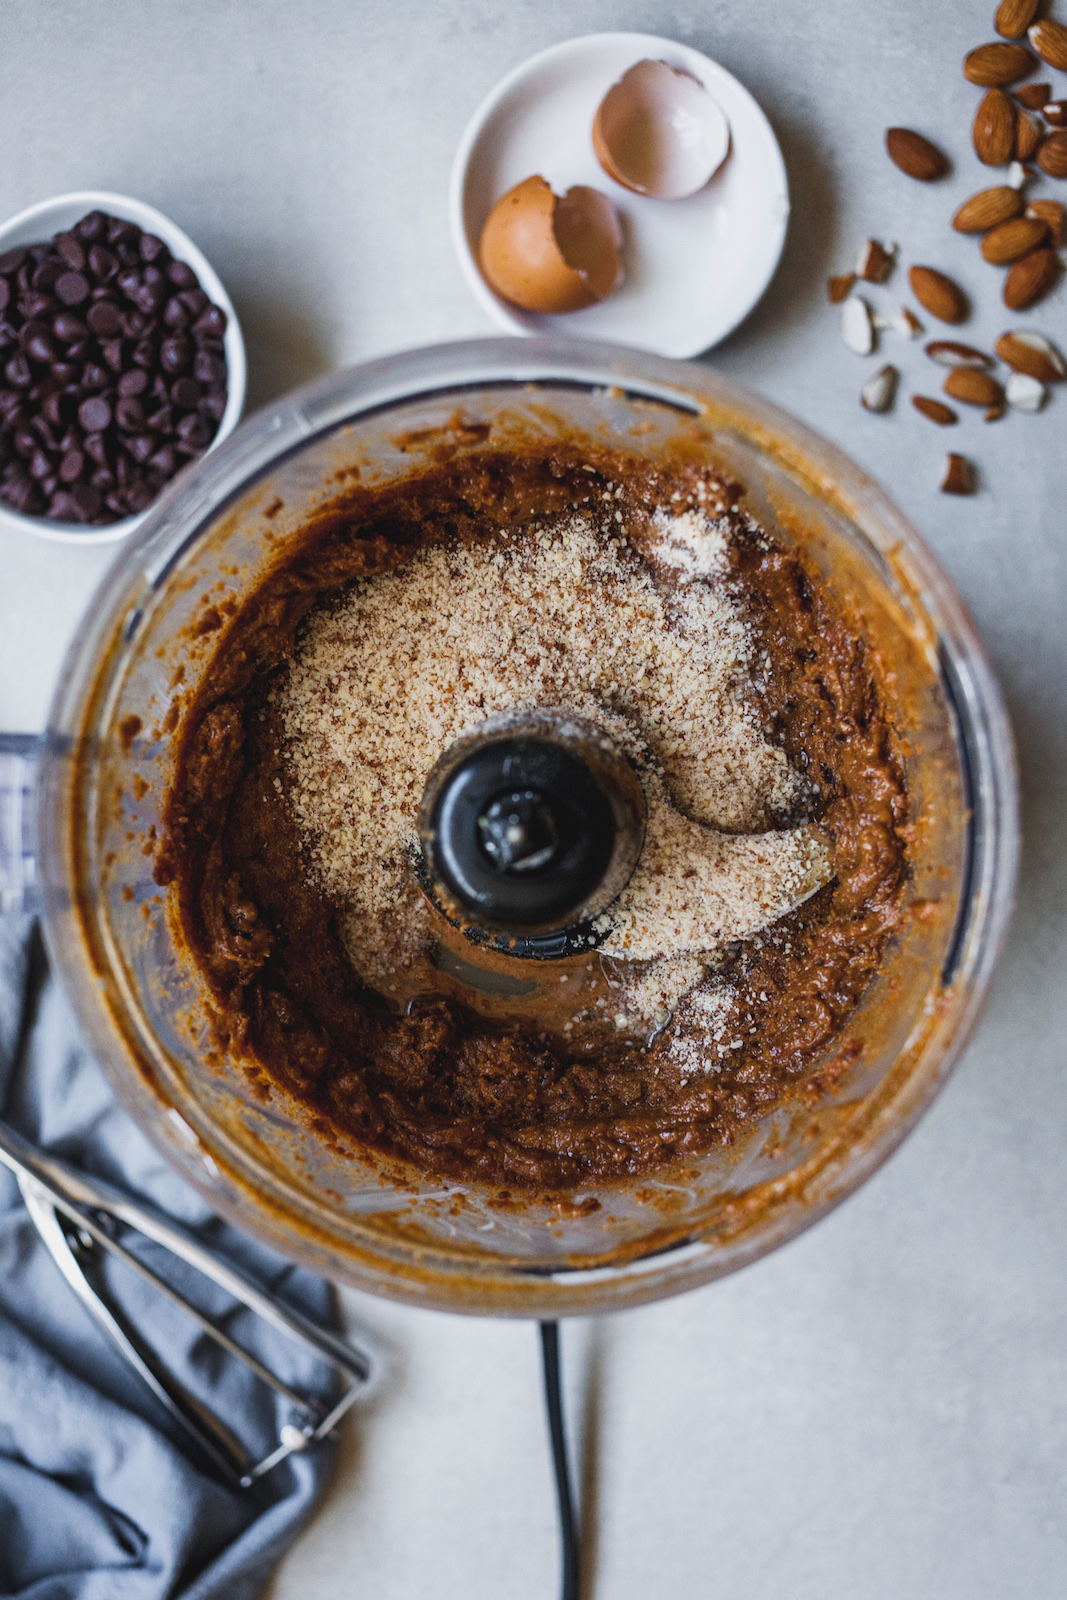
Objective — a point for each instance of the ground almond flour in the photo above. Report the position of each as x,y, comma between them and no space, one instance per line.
563,613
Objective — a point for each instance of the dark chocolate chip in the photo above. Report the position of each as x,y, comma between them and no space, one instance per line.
129,414
129,281
141,446
103,262
96,448
213,406
94,376
133,382
119,230
186,393
152,248
94,414
165,461
18,372
5,294
180,274
44,277
176,313
145,354
112,351
67,327
72,250
92,227
162,421
103,317
72,288
212,321
175,353
208,368
12,260
87,499
72,466
40,465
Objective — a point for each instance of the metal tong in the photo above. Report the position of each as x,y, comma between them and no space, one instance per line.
80,1218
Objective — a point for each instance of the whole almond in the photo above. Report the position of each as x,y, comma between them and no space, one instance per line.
947,353
1030,278
1032,354
1033,95
960,476
1049,39
1029,132
994,129
1014,17
937,412
938,294
915,155
987,209
1055,113
1050,211
1052,157
993,65
1013,239
973,388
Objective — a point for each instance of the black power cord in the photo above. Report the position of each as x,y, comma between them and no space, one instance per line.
568,1522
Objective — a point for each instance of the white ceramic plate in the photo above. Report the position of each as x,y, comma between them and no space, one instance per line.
695,267
40,222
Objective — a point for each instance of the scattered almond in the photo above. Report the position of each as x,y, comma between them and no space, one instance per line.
1018,175
876,261
915,155
987,209
993,65
1032,354
1052,157
1031,278
1014,17
1055,113
947,353
879,391
994,413
1013,239
907,324
959,476
938,294
936,410
1033,95
1049,39
994,129
857,329
839,288
1029,132
1050,211
1025,393
973,388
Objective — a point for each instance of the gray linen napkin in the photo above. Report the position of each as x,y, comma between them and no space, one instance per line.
96,1500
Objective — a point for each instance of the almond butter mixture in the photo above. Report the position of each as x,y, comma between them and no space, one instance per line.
649,600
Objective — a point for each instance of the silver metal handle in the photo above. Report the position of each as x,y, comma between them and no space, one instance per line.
19,754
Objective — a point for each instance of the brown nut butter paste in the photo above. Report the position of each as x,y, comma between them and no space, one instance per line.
476,1087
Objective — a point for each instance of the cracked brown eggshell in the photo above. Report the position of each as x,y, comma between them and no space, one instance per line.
551,253
658,132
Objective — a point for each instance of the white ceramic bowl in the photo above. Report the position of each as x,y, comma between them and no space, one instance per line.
694,267
49,217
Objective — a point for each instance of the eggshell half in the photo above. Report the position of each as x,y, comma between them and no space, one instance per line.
551,254
658,132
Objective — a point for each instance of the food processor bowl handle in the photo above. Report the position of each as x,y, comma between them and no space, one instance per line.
19,756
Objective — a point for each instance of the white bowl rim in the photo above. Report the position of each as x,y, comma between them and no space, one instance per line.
177,240
496,308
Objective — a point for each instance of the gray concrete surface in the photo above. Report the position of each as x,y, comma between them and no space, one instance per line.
879,1412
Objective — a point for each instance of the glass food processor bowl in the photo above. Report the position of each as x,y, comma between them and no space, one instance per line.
141,998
